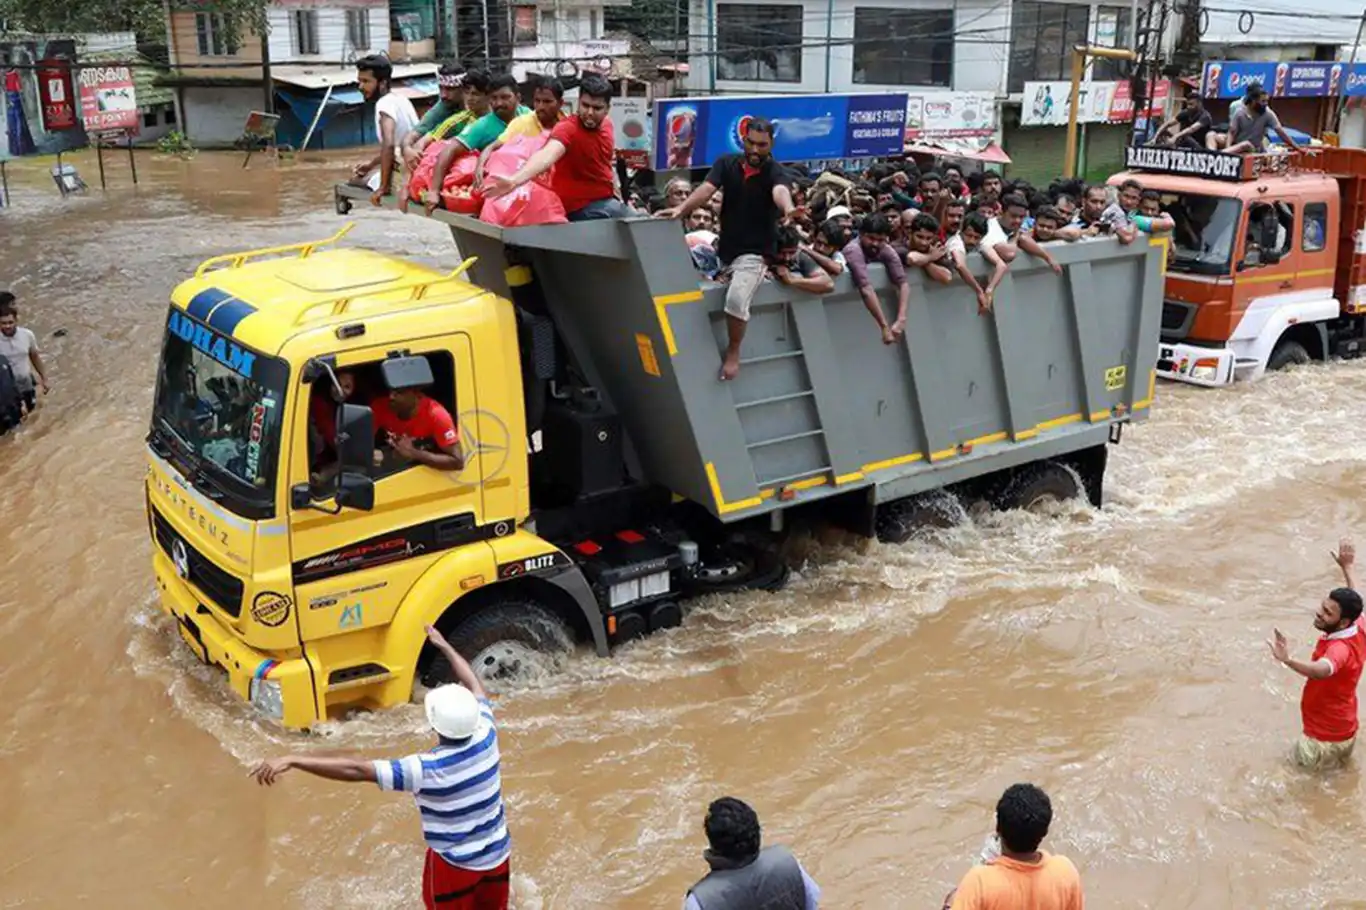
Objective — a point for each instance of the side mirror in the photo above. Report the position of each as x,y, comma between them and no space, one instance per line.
355,491
316,368
355,439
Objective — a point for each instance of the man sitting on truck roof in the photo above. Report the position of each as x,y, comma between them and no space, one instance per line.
419,429
505,106
871,245
757,194
582,150
1188,128
1247,128
476,89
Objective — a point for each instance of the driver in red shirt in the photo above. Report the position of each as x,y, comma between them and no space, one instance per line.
419,429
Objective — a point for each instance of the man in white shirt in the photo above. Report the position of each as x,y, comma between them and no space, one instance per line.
394,119
19,346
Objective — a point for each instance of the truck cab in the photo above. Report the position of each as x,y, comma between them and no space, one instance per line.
1253,272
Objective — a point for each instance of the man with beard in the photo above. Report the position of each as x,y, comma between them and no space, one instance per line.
547,101
581,150
1328,707
450,81
394,119
505,106
757,196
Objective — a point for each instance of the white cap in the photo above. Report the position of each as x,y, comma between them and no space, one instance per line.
453,711
839,211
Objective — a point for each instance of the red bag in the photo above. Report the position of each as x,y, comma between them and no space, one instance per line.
462,200
529,204
461,172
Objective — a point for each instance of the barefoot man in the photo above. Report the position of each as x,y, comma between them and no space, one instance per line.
456,784
1329,703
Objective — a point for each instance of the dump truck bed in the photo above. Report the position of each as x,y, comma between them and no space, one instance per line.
821,406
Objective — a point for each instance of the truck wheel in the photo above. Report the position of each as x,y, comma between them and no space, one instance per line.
1287,353
898,522
737,565
1037,486
509,641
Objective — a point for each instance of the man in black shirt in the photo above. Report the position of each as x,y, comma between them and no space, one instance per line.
1189,127
756,196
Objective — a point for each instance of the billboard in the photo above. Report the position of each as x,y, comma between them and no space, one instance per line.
950,115
55,95
694,132
631,126
108,101
1048,103
1231,78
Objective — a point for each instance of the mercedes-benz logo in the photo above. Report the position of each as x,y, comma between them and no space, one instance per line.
180,558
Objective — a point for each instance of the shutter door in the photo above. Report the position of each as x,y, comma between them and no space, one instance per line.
1105,144
1036,153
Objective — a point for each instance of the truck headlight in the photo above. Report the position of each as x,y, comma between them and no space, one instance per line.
1205,374
268,698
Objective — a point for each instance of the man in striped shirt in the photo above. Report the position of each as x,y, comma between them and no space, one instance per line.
457,787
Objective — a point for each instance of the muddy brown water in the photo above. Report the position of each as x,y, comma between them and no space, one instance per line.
872,712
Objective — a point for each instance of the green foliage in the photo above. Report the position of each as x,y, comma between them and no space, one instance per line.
144,17
175,143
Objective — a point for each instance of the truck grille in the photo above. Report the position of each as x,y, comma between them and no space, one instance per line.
218,586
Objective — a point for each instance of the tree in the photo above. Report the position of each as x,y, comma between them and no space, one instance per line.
145,18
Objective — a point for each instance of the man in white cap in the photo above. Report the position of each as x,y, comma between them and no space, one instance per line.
456,784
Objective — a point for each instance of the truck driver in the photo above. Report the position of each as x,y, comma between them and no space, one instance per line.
418,429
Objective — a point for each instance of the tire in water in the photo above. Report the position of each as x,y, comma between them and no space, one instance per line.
508,641
1037,485
1287,354
900,521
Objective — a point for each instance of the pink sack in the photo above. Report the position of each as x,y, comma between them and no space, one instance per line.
509,158
460,173
528,205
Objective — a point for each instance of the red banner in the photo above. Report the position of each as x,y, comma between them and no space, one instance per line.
1122,103
108,101
56,96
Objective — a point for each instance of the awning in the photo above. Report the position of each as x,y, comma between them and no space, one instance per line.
320,77
305,104
417,88
991,154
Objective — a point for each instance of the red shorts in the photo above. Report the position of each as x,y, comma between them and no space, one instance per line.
446,887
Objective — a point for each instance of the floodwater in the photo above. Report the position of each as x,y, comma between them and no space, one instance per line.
872,712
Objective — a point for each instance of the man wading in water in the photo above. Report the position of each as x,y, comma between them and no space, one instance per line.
1328,706
456,784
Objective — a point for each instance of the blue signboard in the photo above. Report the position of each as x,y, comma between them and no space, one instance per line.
694,132
1231,79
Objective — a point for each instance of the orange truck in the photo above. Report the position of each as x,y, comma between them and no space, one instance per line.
1267,263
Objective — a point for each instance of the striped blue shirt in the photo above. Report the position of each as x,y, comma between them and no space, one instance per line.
460,794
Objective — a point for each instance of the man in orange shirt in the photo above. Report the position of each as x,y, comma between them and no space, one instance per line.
1328,706
1023,877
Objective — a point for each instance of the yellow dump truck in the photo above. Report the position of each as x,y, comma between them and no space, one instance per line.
607,476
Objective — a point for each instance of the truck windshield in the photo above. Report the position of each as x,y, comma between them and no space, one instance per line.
1206,230
218,412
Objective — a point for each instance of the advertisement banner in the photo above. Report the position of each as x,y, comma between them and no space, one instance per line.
1048,103
950,115
108,101
631,124
694,132
55,95
1231,79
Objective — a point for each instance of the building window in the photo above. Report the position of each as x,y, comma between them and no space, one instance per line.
1042,36
358,29
169,115
1315,227
304,24
548,29
149,118
1114,28
903,47
214,36
759,42
593,30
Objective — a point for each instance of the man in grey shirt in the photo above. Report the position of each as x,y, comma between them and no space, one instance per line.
1249,125
20,347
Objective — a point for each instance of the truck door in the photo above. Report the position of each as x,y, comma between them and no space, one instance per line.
351,570
1268,258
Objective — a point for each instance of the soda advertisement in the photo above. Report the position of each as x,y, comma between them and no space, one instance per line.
1322,79
631,126
694,132
108,102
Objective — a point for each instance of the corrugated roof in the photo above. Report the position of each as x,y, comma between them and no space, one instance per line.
145,72
319,77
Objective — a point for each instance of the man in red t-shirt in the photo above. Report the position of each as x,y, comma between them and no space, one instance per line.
419,429
581,149
1329,704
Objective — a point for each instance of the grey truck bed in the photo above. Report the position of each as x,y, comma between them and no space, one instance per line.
821,406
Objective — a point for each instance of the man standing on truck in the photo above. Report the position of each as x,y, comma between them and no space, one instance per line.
419,429
745,874
457,787
581,150
394,119
757,195
505,106
19,346
871,245
1328,707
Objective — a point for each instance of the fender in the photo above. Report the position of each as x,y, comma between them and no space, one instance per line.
1267,319
516,552
430,596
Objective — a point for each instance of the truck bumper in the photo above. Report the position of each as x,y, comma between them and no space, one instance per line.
279,688
1195,364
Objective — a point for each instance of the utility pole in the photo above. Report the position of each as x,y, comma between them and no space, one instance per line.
267,83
